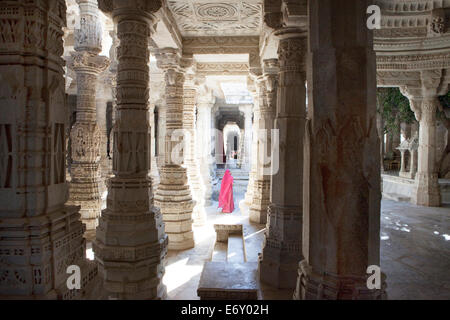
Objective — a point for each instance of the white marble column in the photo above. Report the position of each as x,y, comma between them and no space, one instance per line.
161,125
205,103
190,158
267,84
341,227
40,235
104,164
86,137
424,102
428,193
283,237
247,150
254,145
173,196
130,241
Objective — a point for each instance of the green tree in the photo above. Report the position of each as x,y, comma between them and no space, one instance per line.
394,108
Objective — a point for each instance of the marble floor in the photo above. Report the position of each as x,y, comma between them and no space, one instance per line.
415,252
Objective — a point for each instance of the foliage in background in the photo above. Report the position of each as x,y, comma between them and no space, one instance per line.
444,111
394,108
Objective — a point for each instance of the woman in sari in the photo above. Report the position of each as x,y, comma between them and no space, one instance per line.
226,201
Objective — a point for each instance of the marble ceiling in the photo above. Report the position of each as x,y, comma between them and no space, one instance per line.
217,18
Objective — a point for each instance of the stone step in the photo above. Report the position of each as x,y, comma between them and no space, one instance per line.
220,252
228,281
236,249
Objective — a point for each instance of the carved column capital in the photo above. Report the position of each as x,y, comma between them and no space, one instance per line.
168,58
271,70
292,49
273,16
84,61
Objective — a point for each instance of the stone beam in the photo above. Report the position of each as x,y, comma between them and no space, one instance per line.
225,45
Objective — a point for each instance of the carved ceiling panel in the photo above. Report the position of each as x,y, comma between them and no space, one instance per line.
217,18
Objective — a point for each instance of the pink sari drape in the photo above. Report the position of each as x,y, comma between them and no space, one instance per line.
226,201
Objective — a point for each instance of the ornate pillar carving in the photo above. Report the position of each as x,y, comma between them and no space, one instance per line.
254,144
173,196
131,243
85,185
40,235
267,87
424,102
205,104
101,106
341,228
193,170
161,125
283,237
247,146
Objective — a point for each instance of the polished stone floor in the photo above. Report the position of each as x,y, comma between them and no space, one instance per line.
415,252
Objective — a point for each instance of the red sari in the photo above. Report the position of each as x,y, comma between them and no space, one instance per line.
226,201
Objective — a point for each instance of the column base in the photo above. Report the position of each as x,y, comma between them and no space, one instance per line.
282,248
199,215
126,275
248,199
174,199
181,241
258,214
261,201
152,289
38,270
85,192
276,274
130,243
315,286
428,192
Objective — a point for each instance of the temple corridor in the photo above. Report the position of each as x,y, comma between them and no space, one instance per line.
330,121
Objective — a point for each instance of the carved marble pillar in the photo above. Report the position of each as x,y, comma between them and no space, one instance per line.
283,237
402,162
86,185
424,102
254,148
173,196
247,148
204,141
193,169
267,84
104,169
131,243
161,125
240,150
40,235
341,227
428,193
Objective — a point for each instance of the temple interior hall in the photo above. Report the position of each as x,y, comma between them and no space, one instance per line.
120,118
